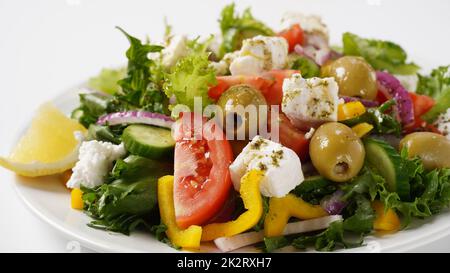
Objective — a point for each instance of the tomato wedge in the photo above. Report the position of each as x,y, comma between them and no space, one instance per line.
201,180
294,36
292,137
225,82
270,84
274,94
421,104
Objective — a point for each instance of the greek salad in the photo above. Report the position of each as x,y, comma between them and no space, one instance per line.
255,136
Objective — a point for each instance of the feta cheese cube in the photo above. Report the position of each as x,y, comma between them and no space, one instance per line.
175,50
309,23
222,67
310,102
443,123
281,165
260,54
409,82
95,161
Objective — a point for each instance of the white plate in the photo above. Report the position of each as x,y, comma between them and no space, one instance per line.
394,20
48,198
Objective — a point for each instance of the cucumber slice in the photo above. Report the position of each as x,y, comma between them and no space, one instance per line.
148,141
388,162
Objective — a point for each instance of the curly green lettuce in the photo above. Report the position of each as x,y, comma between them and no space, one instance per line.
191,78
437,86
106,80
236,28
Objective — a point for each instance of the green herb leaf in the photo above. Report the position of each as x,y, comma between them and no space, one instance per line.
382,55
383,123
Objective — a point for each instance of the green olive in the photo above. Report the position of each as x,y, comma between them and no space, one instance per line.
336,152
355,77
240,105
433,149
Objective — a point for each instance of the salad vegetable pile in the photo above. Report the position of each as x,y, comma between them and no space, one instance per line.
361,143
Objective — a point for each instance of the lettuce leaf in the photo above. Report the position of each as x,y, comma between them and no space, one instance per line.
236,28
362,218
106,80
328,239
139,90
436,83
191,77
314,188
382,55
92,106
429,191
437,86
307,67
274,243
128,198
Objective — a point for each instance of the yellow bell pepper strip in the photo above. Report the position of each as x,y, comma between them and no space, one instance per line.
187,238
362,129
252,199
281,209
76,196
385,220
350,110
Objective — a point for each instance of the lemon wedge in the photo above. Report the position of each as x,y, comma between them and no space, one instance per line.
49,146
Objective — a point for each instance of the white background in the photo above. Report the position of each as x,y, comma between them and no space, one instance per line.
48,46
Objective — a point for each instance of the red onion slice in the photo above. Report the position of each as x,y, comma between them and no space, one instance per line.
142,117
333,203
392,88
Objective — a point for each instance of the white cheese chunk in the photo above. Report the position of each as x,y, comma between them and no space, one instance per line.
95,161
260,54
281,165
309,23
175,50
310,102
443,123
409,82
222,67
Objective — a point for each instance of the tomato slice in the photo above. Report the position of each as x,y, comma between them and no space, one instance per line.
381,98
274,94
270,84
421,103
201,180
225,82
294,36
291,137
